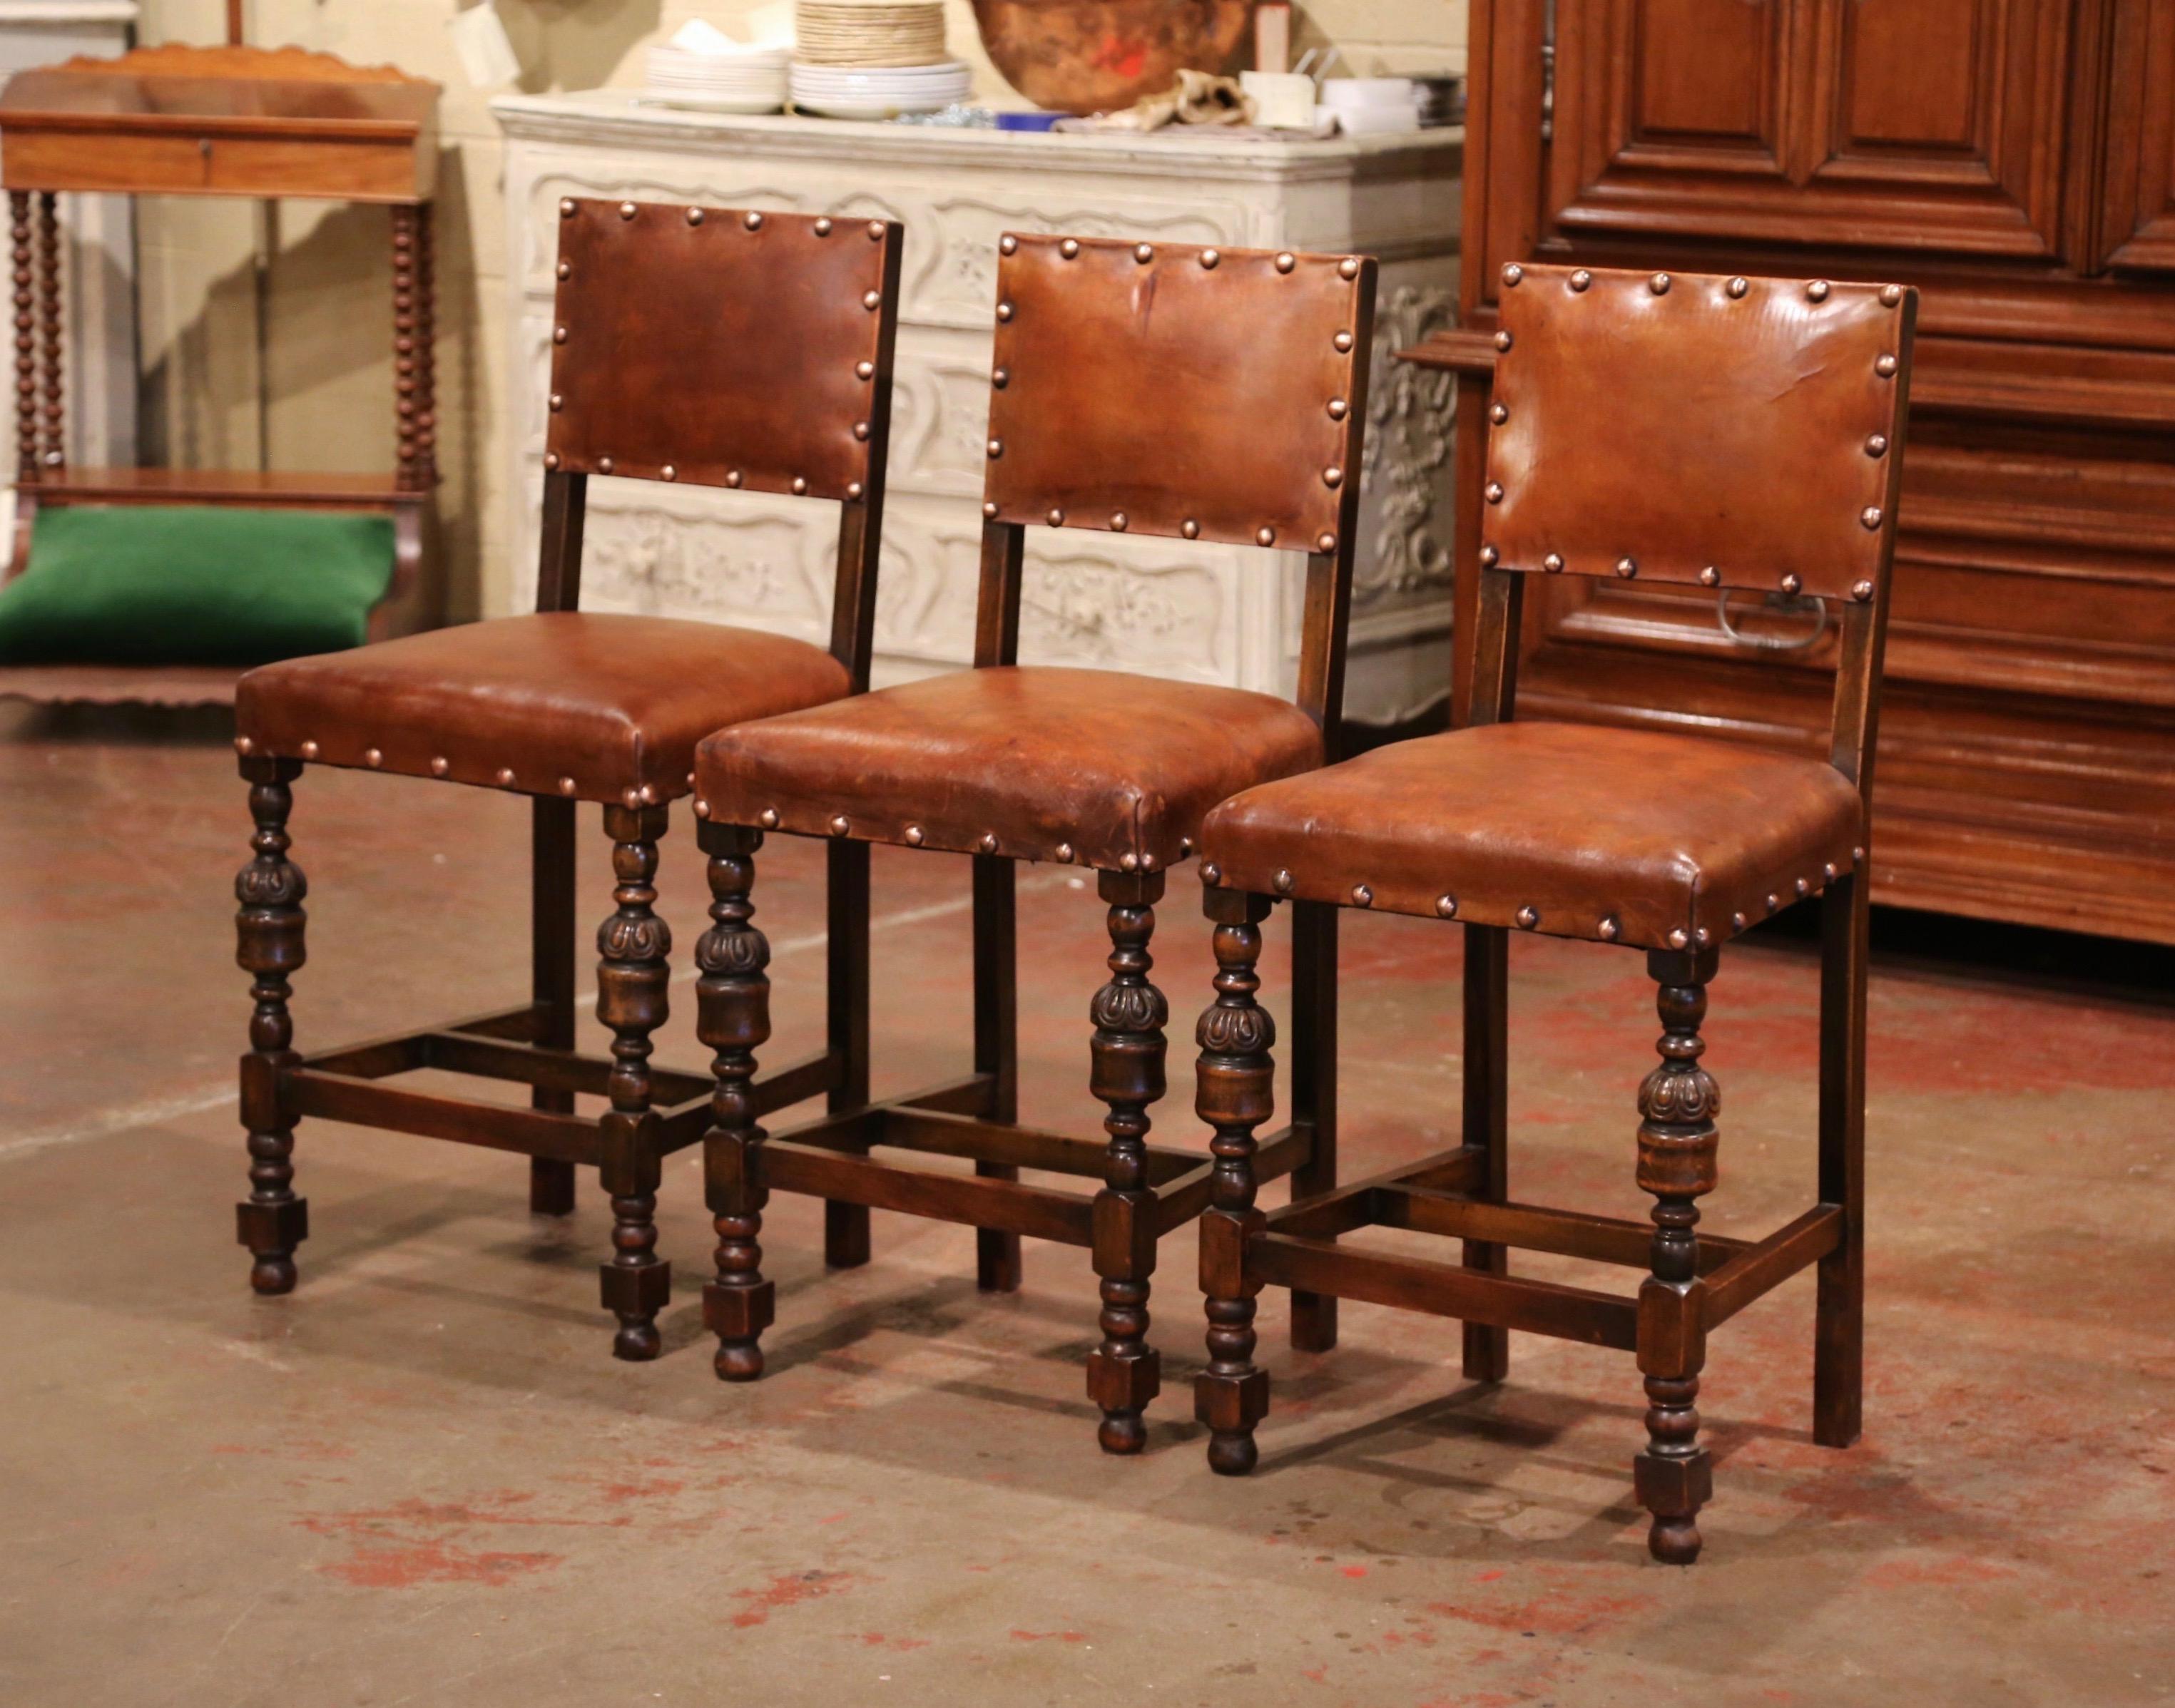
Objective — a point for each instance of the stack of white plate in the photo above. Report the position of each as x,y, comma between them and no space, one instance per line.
869,33
879,92
750,79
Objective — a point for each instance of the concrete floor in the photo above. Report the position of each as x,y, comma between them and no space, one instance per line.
422,1480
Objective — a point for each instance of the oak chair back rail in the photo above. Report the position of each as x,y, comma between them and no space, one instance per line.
723,347
1186,392
1697,429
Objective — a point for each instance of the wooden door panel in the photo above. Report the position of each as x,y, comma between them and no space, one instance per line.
2140,201
1922,125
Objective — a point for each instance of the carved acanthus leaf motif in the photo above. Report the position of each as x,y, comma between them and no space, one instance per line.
1225,1030
1129,1008
1679,1096
725,952
270,884
636,938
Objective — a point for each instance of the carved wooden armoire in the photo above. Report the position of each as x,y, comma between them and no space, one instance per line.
2015,160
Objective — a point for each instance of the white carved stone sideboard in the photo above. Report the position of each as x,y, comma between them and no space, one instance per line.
1220,615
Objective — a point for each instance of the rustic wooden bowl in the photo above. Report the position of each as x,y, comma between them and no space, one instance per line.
1098,56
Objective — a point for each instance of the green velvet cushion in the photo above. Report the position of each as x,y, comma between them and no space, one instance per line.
129,584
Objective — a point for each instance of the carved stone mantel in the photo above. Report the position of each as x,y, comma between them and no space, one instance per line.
1221,614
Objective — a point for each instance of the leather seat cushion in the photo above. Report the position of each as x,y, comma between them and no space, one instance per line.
1093,765
588,704
1620,835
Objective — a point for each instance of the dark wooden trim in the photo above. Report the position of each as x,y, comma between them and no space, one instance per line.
1444,1289
1005,1205
1758,1269
334,1096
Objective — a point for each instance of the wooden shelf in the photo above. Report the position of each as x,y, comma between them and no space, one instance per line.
177,120
253,488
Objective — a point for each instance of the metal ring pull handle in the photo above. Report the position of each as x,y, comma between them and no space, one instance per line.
1776,602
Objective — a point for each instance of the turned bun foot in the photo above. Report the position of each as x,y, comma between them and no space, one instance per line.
1231,1454
272,1276
1674,1540
738,1361
1122,1432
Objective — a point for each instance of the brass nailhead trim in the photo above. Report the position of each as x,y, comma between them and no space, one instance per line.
800,485
875,231
853,489
768,818
695,216
1494,493
1581,279
1285,262
1326,542
1283,883
839,827
1118,521
1342,341
867,370
566,785
1891,295
1791,583
1679,938
701,807
1499,413
1737,922
1659,285
1512,273
1338,408
1211,874
1008,245
1068,248
1885,367
989,842
1004,309
873,300
1502,340
1609,929
565,207
1627,567
1738,287
1056,518
1064,851
504,777
1487,557
1000,377
244,746
1529,917
823,226
732,477
1143,254
1818,290
309,750
1131,862
627,210
1552,563
1264,536
1877,445
1870,516
914,837
1447,906
1209,257
752,221
1861,591
1710,577
1190,529
1363,895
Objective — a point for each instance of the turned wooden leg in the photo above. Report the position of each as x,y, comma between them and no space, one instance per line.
633,977
1234,1093
26,345
272,1221
1839,1333
52,312
551,982
733,998
1124,1372
1676,1143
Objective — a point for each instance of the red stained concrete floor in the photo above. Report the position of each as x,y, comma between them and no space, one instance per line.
422,1480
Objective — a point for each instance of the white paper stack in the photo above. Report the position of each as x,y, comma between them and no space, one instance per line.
702,68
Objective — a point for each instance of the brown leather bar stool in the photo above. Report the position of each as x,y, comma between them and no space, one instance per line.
708,346
1139,388
1703,433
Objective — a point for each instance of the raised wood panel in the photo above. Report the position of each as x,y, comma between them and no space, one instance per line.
1917,125
2017,572
2013,159
2139,205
